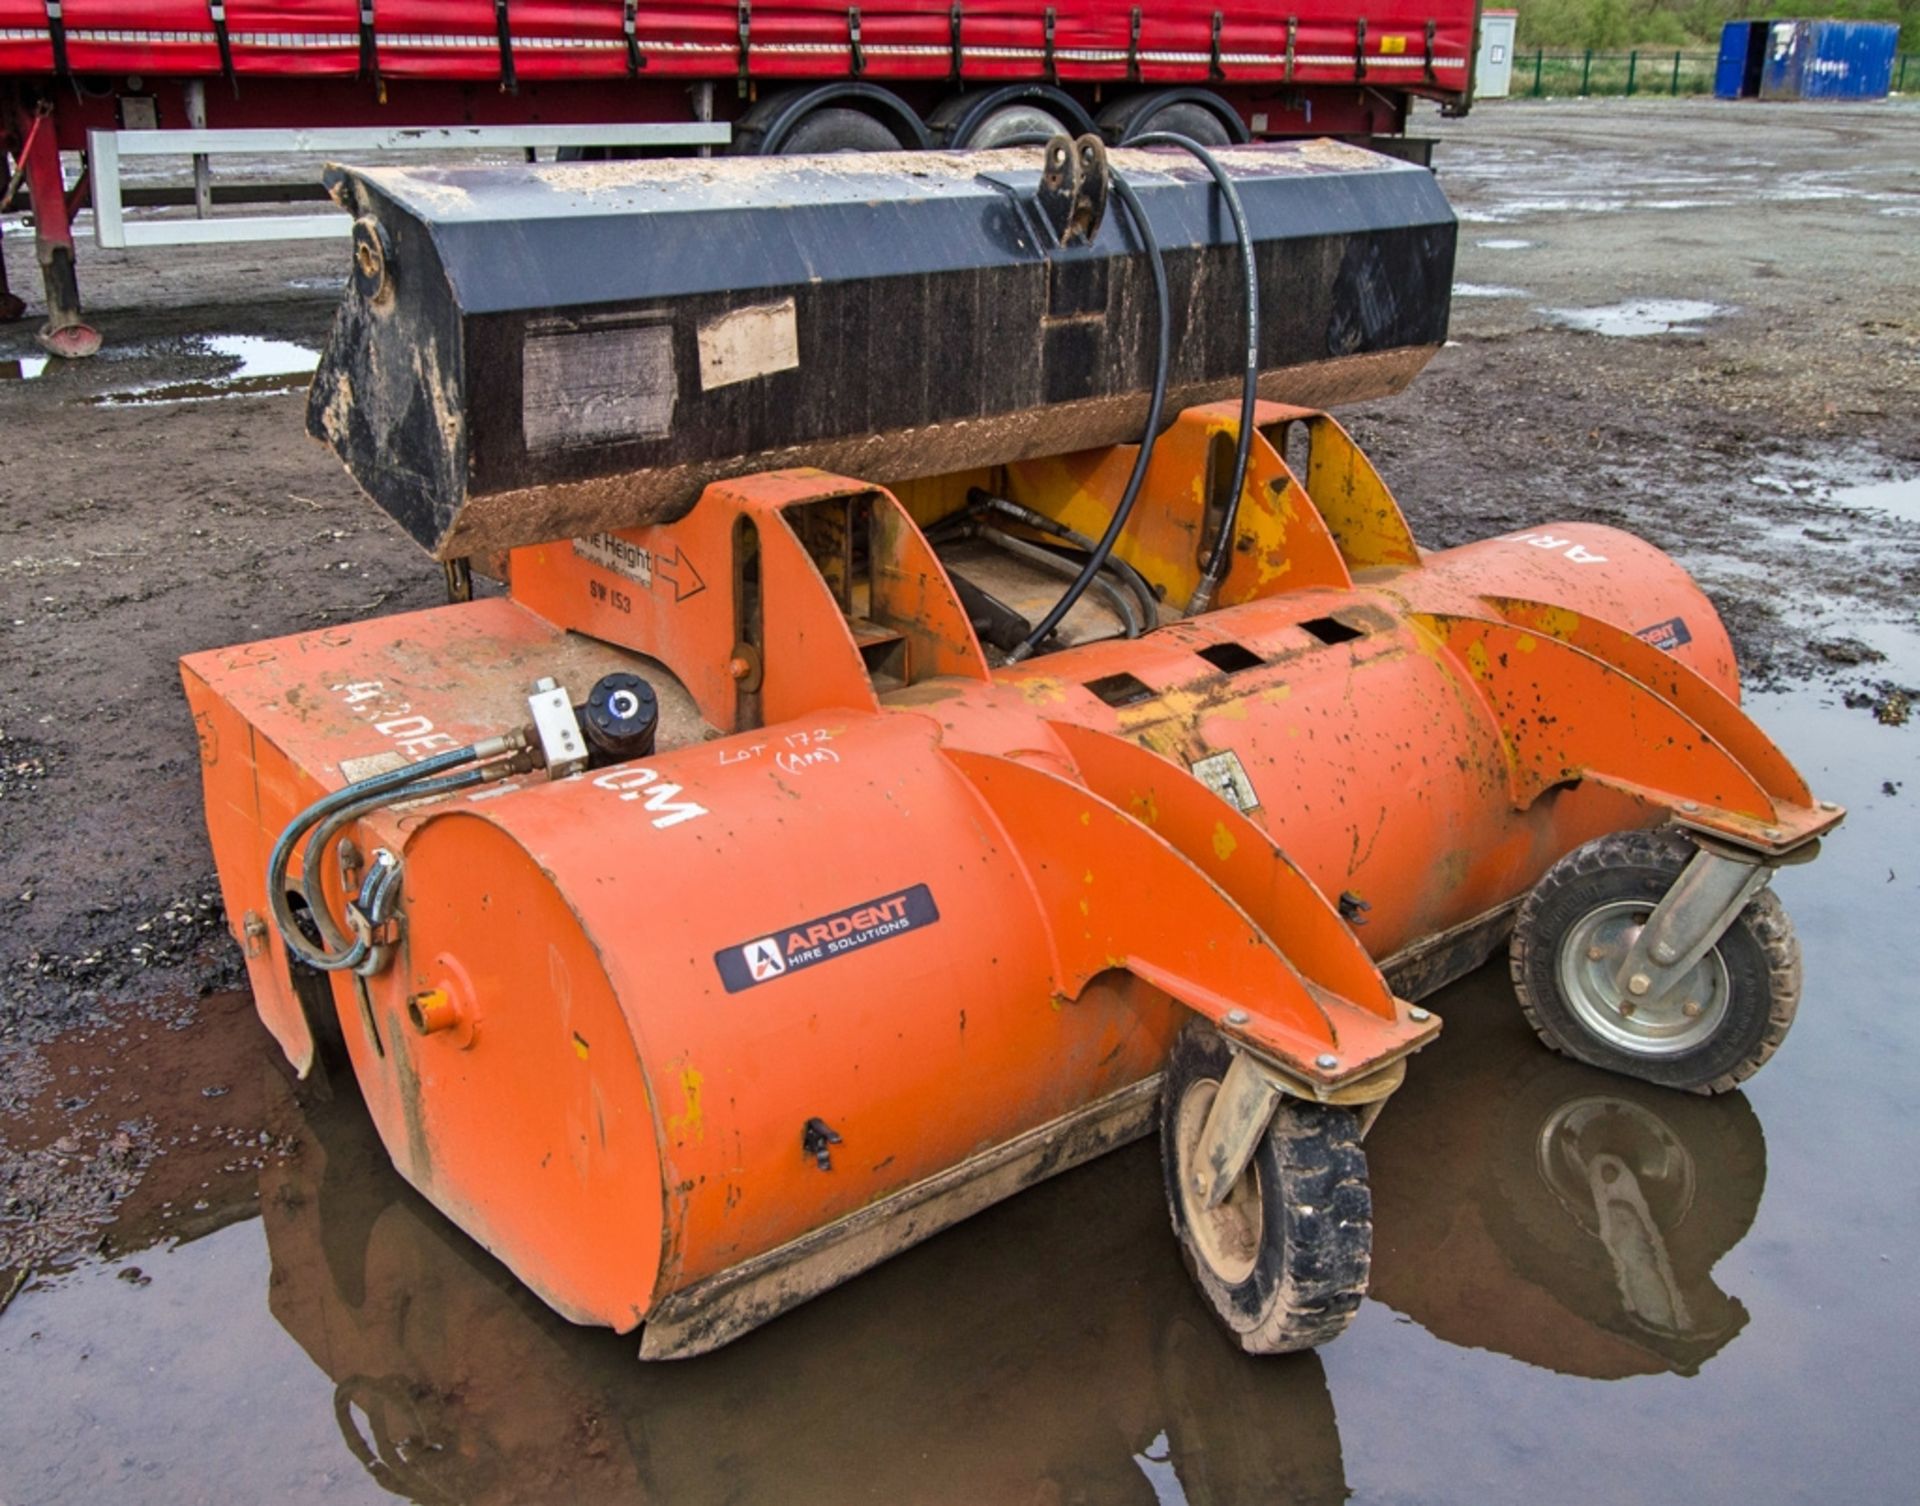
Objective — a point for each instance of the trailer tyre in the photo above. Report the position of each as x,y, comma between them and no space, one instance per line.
1710,1034
980,119
1198,114
836,129
1283,1262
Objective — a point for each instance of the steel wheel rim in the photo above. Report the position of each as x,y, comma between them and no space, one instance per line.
1652,1026
1226,1238
1014,120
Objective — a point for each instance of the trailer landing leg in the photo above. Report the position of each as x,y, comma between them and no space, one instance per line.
66,332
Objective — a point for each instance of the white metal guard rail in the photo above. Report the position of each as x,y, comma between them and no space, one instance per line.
106,149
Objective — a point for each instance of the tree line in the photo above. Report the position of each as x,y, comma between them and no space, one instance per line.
1615,24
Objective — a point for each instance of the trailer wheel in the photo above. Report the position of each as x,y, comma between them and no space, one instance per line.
984,118
1709,1034
823,118
1198,114
1284,1260
838,130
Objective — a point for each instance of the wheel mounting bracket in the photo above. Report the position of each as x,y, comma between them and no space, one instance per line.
1243,1108
1241,1112
1694,914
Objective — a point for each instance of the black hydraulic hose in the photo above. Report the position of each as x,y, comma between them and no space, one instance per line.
969,524
1216,567
1104,547
1040,522
377,787
1115,593
314,865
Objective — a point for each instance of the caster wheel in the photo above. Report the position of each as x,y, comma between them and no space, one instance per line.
1711,1032
1283,1260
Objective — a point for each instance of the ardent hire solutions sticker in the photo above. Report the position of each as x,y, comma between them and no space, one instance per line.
794,947
1667,635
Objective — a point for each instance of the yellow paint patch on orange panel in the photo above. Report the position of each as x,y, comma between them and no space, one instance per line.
1039,690
1557,621
692,1123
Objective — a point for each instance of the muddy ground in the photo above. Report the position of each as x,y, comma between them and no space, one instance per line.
1766,430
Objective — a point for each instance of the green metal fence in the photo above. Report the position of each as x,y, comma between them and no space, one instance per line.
1643,71
1640,72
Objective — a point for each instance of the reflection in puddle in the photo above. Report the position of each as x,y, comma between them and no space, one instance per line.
1503,244
1050,1349
259,366
1486,290
1640,316
1558,1214
22,368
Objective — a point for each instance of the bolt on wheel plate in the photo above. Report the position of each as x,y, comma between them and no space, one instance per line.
1668,1024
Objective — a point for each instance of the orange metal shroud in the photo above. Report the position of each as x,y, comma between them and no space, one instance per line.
938,907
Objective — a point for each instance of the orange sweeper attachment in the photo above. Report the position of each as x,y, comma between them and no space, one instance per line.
790,863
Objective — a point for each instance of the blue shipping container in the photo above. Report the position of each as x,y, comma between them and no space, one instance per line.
1806,60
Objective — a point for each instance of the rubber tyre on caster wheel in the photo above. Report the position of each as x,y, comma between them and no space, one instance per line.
1573,929
1284,1260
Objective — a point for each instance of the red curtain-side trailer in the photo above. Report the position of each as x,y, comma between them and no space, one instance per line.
784,75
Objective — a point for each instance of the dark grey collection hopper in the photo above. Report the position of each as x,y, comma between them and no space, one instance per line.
534,352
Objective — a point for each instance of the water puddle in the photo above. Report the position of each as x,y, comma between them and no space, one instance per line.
1503,244
22,368
1508,184
1640,316
1899,499
147,1129
1849,481
1486,290
1047,1343
1576,1219
1523,209
256,366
